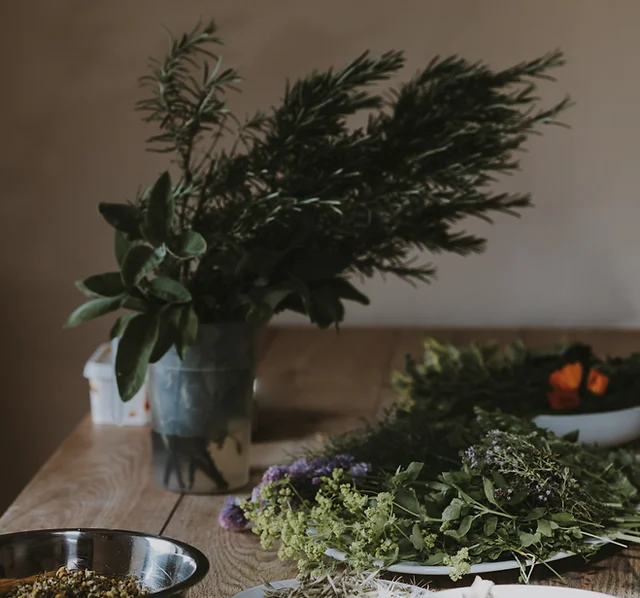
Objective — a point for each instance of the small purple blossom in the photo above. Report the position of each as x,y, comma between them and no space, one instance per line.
316,481
300,468
471,456
275,473
358,470
231,515
255,493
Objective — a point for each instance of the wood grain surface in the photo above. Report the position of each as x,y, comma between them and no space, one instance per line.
312,383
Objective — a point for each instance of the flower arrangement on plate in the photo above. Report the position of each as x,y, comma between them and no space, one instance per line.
450,493
566,388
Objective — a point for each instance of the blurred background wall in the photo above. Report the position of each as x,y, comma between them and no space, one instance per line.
70,139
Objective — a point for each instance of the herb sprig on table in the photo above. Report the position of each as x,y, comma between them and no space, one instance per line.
567,378
516,491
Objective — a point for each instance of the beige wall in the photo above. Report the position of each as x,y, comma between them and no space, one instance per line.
69,139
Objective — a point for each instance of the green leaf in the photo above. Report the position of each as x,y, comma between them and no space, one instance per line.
536,513
121,245
489,491
187,329
93,309
407,499
140,261
169,290
160,211
123,217
413,471
490,525
544,528
102,285
187,245
416,538
465,526
435,559
119,326
134,350
167,335
527,539
562,518
452,512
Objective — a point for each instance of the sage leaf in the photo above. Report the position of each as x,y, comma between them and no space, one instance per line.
452,512
413,471
119,326
416,538
536,513
93,309
490,525
140,261
167,335
544,528
134,350
169,290
407,499
160,211
187,245
465,525
121,245
123,217
435,559
108,284
527,539
489,491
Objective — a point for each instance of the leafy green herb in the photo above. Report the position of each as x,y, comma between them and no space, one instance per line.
516,492
299,201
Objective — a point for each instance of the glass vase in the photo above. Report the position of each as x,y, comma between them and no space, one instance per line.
201,411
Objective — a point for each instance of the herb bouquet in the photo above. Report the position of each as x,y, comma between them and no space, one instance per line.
276,211
551,385
451,490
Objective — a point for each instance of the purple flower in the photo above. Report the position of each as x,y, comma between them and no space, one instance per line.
255,493
231,515
343,462
316,481
275,473
358,470
300,468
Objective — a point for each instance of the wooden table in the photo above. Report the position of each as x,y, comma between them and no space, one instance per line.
315,382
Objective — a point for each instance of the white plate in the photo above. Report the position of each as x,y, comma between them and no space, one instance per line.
611,428
510,591
411,568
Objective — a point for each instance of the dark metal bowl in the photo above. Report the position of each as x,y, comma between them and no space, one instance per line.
163,566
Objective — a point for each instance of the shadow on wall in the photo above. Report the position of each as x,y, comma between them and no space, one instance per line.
43,392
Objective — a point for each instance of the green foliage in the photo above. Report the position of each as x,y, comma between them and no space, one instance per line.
515,492
515,379
298,201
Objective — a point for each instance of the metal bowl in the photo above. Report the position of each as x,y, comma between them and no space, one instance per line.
163,566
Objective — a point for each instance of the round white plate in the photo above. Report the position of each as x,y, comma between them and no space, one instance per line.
411,568
608,429
510,591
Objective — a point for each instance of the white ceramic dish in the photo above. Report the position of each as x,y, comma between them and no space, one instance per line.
410,568
608,429
509,591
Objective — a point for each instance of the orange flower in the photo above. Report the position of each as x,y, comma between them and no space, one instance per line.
565,382
597,382
567,378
